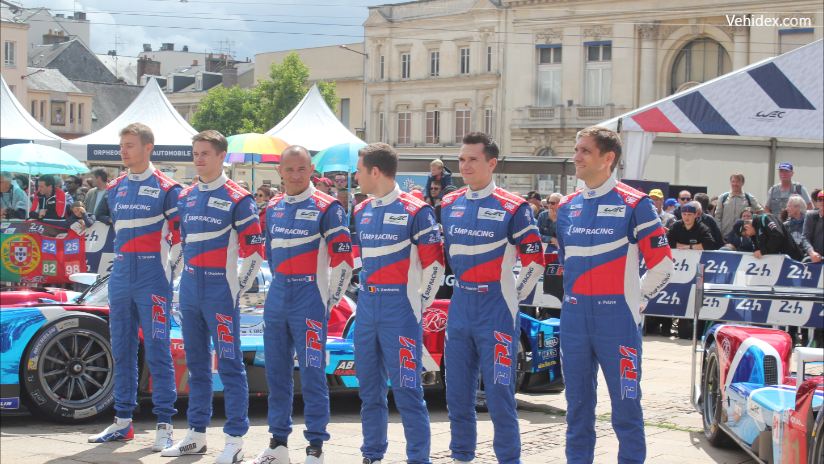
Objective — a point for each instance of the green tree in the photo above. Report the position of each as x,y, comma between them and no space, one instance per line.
229,111
286,87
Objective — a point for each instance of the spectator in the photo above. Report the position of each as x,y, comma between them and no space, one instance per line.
341,183
794,221
359,197
544,206
417,192
449,189
88,183
81,194
713,205
547,220
79,220
683,197
732,203
814,198
779,194
262,197
243,184
671,205
323,184
534,199
23,182
13,200
101,212
770,237
73,183
657,197
50,201
689,233
343,197
814,231
100,178
440,172
736,242
435,192
58,183
702,203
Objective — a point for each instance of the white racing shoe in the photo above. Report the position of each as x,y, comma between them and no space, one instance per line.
274,454
314,455
192,443
232,452
120,430
164,437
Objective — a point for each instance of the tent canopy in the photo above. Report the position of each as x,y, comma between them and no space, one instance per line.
173,135
780,97
313,125
17,125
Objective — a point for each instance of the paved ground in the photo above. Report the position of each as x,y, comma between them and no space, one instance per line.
674,431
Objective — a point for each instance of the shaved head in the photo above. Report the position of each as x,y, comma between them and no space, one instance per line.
297,150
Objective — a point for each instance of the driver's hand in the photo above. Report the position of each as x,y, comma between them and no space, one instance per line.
757,254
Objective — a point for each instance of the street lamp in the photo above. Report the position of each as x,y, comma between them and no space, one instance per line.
347,48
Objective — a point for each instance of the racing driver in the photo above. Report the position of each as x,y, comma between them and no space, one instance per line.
310,256
147,251
219,223
485,227
601,230
402,253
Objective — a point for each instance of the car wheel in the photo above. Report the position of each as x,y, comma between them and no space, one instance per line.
520,374
815,453
68,369
712,400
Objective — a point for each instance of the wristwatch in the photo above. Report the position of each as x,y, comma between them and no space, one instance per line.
690,246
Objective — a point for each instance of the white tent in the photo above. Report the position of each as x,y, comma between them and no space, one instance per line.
173,135
777,97
313,125
18,126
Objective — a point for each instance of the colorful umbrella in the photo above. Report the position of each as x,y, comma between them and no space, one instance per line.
254,148
340,157
39,159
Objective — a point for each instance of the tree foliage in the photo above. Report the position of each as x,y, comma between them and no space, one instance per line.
236,111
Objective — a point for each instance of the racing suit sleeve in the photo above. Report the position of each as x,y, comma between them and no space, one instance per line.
646,231
427,237
523,233
250,242
334,230
170,211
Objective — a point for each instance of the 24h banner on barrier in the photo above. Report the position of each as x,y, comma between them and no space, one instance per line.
40,252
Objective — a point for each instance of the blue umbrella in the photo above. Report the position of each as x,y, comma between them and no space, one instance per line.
39,159
340,157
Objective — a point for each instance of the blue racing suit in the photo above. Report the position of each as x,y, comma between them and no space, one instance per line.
218,223
484,231
402,254
601,233
310,255
146,254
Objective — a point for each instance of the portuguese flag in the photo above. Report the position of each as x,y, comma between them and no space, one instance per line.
40,252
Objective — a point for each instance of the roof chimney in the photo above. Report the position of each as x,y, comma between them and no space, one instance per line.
112,52
147,47
185,48
80,16
167,47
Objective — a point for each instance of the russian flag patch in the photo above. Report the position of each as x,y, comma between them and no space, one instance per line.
483,288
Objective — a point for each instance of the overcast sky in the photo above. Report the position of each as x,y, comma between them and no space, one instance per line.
255,26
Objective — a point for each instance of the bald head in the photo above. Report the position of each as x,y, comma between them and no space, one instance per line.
299,151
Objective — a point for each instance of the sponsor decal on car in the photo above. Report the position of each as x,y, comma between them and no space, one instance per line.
345,367
9,403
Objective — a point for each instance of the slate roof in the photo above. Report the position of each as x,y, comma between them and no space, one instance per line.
121,66
73,59
49,79
108,100
8,17
42,55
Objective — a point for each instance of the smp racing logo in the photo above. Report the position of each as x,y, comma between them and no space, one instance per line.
314,349
158,317
503,361
225,339
406,356
629,376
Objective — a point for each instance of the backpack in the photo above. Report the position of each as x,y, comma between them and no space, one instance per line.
727,195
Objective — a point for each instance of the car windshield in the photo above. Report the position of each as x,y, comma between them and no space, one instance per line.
98,294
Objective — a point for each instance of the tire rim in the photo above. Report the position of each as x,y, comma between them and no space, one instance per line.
711,393
76,368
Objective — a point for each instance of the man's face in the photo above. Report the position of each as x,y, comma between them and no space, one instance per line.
340,182
322,187
132,152
72,184
588,160
553,203
747,231
689,218
659,202
736,184
296,172
474,167
359,198
794,209
5,184
99,183
366,179
535,201
44,189
343,197
207,160
435,190
684,197
785,175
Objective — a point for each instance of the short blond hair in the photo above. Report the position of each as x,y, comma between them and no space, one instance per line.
214,137
141,130
436,164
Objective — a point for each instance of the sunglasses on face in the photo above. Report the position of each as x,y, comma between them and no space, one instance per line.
686,198
434,188
258,194
552,202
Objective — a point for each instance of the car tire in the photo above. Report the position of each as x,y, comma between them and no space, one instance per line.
68,369
520,375
815,453
712,408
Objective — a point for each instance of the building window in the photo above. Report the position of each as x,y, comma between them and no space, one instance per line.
434,63
382,68
433,127
80,117
461,125
380,126
34,109
489,59
599,75
42,111
790,39
699,61
13,89
549,77
344,112
10,54
488,121
464,61
404,128
405,63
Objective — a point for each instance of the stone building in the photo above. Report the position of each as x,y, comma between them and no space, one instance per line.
14,34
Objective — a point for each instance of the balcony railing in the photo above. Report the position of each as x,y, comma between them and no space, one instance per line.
596,112
541,113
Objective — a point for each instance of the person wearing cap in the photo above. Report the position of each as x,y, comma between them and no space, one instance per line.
534,199
684,197
359,196
734,240
770,237
79,220
323,184
670,205
779,194
814,231
689,234
732,203
666,218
